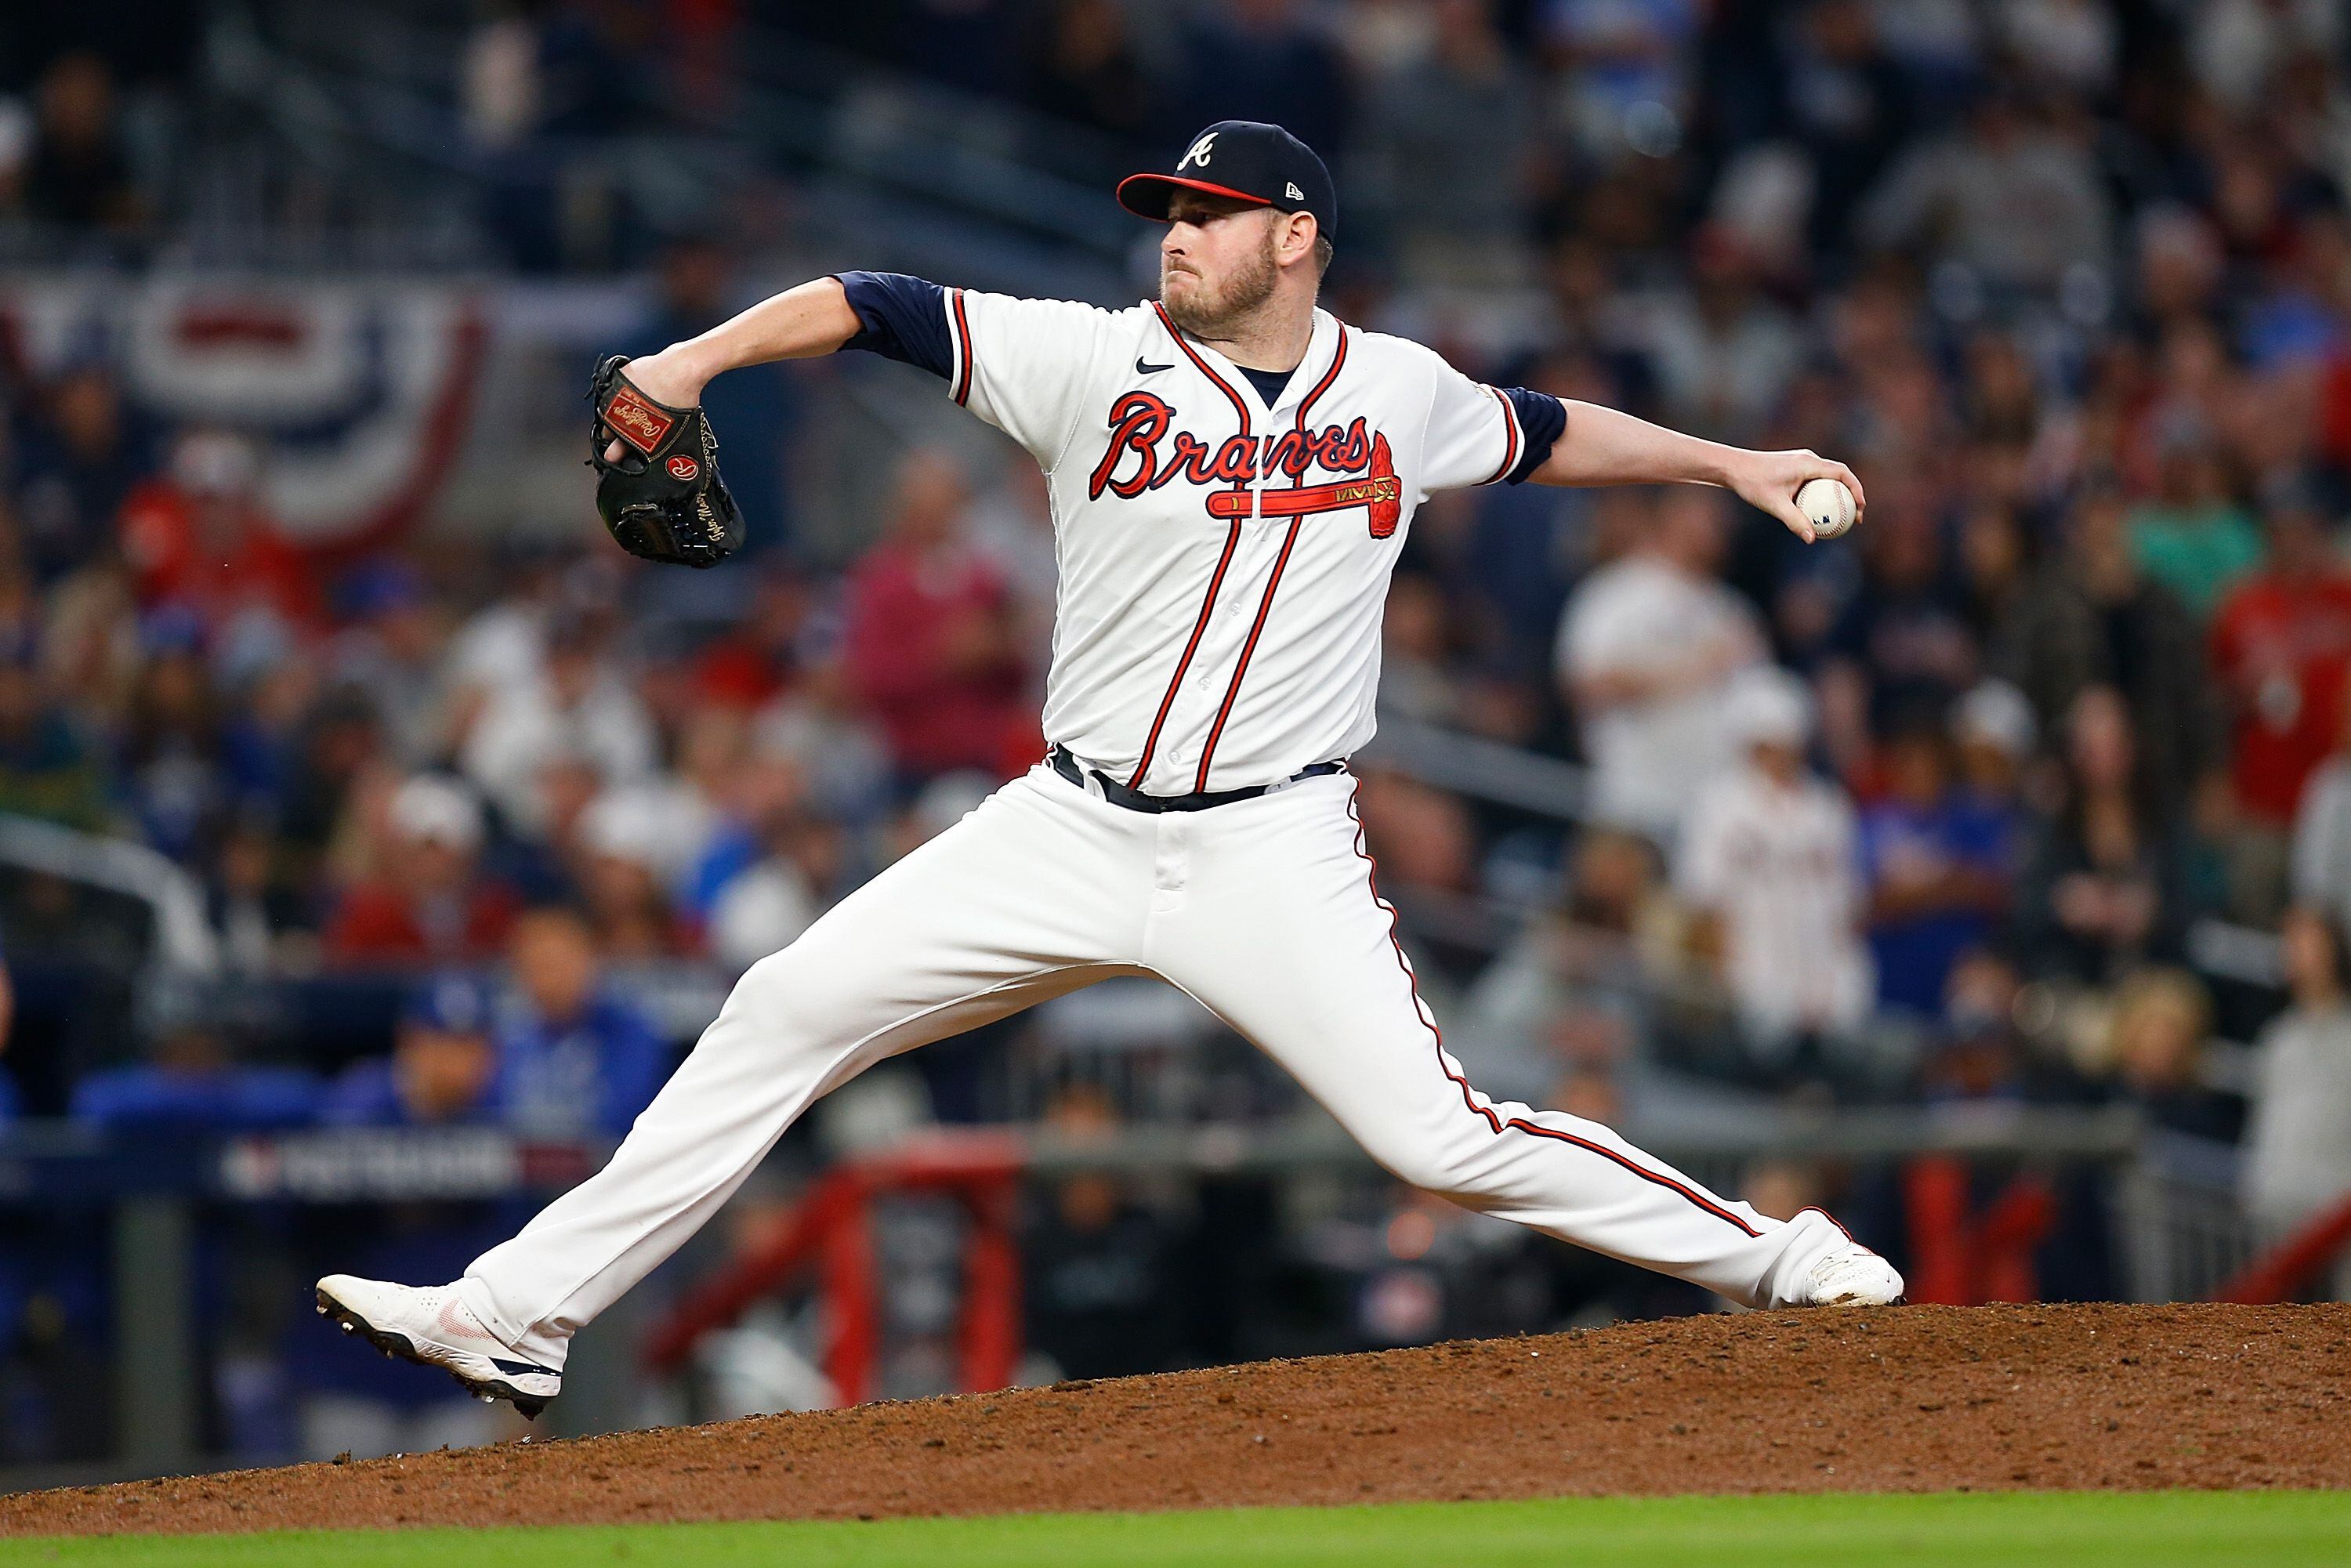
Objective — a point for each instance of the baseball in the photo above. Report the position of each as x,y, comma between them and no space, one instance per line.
1827,505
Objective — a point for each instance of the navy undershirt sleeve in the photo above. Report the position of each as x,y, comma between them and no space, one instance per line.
1542,419
902,317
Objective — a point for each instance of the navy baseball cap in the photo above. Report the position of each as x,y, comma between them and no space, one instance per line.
1247,161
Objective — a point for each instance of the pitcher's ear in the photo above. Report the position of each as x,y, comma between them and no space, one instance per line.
1299,234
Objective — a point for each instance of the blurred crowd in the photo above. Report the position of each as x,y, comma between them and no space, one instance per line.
2034,790
1964,808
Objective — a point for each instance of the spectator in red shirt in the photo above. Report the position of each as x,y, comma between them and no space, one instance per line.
2282,647
760,657
198,537
934,643
429,903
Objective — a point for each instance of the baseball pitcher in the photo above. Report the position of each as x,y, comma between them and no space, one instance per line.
1232,473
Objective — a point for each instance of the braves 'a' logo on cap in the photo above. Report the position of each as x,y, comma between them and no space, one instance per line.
1197,153
636,421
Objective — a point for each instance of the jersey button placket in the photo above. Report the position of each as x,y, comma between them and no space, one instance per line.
1171,865
1203,678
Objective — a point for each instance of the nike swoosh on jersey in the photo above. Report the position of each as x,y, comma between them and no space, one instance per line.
1143,370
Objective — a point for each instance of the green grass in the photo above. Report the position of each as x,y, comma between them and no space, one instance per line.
2075,1529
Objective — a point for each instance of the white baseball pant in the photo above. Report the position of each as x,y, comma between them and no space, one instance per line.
1264,910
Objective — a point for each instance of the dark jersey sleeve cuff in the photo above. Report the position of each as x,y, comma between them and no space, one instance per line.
1543,419
900,318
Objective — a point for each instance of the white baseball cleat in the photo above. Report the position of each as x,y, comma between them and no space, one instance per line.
1852,1276
429,1325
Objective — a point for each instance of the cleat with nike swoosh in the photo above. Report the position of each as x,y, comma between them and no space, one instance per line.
431,1327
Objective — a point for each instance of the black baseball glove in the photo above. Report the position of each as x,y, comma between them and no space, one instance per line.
662,498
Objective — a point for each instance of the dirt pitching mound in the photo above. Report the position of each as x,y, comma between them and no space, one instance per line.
1908,1399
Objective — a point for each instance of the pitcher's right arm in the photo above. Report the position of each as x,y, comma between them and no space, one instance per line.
801,323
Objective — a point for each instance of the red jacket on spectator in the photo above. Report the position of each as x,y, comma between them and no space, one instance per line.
378,922
2281,648
174,563
930,646
2334,412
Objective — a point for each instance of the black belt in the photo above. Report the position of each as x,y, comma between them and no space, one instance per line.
1118,794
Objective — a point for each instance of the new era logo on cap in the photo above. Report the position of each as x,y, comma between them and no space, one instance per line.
1245,161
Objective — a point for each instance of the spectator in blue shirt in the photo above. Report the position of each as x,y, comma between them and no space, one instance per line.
1937,870
191,1081
442,1069
442,1072
171,772
1992,728
574,1059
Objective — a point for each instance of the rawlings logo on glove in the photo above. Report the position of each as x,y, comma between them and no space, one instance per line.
662,497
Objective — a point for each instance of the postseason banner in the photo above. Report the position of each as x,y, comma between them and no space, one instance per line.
356,392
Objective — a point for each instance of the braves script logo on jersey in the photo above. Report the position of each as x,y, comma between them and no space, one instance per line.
1146,452
637,421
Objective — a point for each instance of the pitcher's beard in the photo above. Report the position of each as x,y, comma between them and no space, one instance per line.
1216,316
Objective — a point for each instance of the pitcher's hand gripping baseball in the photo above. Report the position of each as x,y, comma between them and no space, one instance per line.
657,484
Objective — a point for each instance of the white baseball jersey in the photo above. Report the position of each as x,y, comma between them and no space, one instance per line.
1223,563
1223,566
1780,865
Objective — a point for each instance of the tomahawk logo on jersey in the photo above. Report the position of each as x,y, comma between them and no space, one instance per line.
1225,535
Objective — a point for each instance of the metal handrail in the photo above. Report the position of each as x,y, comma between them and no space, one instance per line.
1483,769
184,944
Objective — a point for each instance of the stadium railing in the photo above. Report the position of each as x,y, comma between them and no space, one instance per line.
827,1239
183,939
2297,1263
153,1192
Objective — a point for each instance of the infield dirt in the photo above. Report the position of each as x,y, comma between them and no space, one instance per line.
1898,1399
